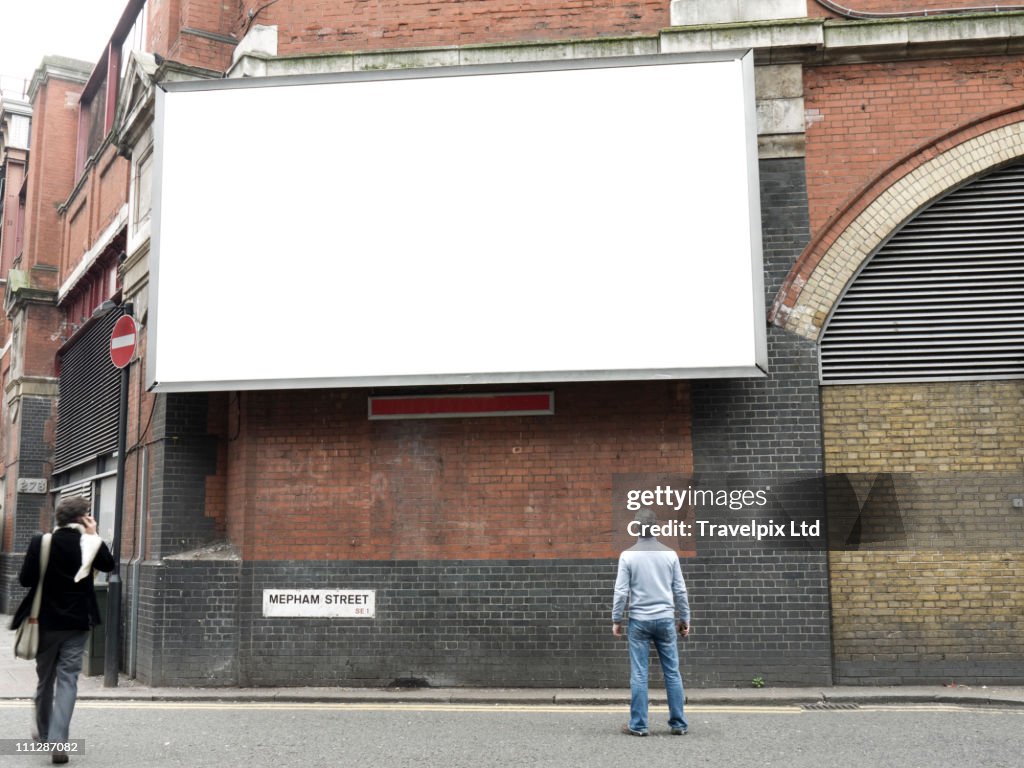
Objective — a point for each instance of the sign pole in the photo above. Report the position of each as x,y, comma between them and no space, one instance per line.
121,356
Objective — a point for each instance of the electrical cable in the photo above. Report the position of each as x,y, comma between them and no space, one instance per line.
253,14
851,13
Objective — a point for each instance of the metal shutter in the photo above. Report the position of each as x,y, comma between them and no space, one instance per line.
88,398
943,298
83,489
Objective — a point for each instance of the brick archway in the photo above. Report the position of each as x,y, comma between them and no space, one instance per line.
833,257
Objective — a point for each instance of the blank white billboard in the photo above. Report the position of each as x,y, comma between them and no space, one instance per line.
563,221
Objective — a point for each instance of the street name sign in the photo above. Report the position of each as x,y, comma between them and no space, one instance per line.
329,603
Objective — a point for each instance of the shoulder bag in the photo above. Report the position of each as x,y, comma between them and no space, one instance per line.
26,642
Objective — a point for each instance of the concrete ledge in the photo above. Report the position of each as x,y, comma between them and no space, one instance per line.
90,689
813,41
929,36
793,40
255,64
821,41
926,29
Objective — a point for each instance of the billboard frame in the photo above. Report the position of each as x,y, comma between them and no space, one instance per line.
758,369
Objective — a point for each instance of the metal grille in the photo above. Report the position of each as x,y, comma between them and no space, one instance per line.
943,298
83,489
88,403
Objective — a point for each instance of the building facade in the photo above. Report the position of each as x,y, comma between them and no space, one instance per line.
890,140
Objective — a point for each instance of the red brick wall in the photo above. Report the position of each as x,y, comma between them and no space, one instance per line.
162,25
110,188
219,423
76,234
94,207
167,18
217,16
198,51
51,169
43,328
309,477
863,117
312,26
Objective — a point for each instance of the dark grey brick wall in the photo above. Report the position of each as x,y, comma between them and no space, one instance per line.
770,425
181,462
759,610
515,623
12,592
507,622
453,623
184,607
188,626
34,458
34,454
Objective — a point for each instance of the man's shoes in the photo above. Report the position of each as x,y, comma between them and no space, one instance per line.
59,758
678,731
626,730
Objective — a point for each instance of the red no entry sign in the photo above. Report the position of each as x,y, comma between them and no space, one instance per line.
123,341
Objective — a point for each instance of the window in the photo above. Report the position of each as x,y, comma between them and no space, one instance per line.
98,103
144,189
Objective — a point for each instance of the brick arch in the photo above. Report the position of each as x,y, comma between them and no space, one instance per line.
852,235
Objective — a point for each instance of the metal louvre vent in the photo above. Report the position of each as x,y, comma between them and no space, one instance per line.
943,298
88,398
83,489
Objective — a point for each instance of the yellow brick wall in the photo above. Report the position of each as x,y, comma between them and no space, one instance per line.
965,426
936,569
927,606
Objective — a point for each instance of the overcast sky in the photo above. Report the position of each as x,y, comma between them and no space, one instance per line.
31,29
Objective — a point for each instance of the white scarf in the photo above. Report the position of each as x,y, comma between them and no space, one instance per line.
90,543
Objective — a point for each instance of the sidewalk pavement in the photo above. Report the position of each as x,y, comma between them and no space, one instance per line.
18,681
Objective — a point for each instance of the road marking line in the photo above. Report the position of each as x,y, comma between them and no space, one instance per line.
515,708
398,707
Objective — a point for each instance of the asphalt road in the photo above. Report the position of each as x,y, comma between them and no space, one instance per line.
276,735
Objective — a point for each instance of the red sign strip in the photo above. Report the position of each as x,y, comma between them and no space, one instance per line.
454,406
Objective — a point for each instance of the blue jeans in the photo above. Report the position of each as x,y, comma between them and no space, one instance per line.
58,662
663,633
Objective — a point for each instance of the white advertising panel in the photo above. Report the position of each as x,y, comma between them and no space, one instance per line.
561,221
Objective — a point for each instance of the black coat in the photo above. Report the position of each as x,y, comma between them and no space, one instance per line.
66,604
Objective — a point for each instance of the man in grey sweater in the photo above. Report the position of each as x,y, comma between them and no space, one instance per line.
651,579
